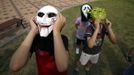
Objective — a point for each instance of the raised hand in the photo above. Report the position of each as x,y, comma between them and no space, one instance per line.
60,22
33,25
97,23
108,24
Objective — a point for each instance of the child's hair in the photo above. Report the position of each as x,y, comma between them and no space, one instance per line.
83,18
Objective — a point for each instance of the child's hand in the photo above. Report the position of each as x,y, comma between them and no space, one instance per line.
33,26
108,24
97,23
60,22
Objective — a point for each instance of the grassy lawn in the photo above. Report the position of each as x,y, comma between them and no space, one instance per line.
112,60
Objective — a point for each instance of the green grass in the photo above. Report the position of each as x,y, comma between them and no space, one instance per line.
112,60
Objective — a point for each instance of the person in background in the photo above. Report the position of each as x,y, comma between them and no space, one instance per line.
94,37
130,69
81,25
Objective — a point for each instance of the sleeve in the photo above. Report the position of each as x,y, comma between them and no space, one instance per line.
34,45
77,22
65,41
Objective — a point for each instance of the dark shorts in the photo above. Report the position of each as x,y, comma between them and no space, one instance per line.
79,41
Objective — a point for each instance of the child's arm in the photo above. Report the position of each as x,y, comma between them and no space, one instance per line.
22,54
91,40
61,54
111,34
77,23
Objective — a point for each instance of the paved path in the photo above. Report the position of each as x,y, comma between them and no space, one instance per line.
25,9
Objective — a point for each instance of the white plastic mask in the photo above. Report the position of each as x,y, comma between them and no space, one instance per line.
86,8
45,19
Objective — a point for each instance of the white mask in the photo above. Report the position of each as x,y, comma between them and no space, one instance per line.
45,19
86,8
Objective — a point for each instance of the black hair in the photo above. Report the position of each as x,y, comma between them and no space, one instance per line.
83,18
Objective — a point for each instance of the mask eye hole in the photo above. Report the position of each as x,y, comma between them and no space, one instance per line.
40,14
51,15
84,8
88,8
